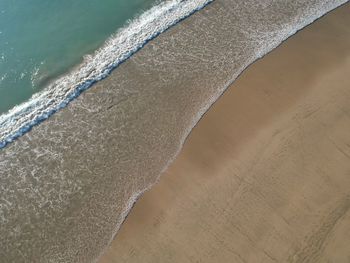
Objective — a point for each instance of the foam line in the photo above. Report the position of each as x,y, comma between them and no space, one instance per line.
98,66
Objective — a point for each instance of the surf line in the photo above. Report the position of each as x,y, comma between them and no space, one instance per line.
124,43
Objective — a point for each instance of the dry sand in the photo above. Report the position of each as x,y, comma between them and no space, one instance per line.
265,175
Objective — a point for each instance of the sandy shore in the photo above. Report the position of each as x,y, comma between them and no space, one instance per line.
265,175
67,185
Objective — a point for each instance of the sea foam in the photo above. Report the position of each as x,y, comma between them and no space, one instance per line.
95,67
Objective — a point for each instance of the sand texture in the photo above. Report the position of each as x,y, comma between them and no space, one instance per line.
265,175
67,185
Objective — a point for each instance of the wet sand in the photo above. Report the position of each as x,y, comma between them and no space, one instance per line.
265,174
67,185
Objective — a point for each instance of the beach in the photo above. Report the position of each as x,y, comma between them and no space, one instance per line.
69,178
265,174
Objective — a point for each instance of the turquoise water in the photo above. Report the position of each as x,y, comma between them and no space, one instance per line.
41,39
52,65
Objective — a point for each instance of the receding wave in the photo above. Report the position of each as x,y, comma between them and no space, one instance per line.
117,49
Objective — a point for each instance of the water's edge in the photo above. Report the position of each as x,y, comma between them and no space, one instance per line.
82,169
117,49
137,195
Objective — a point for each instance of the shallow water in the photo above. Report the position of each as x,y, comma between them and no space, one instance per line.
119,47
40,39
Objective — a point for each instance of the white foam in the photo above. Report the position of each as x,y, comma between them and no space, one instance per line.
95,67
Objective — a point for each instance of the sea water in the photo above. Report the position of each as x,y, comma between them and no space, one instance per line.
41,40
56,92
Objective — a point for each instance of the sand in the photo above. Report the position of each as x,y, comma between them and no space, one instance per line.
67,185
265,174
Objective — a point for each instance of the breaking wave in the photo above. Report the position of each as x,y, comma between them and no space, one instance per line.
95,67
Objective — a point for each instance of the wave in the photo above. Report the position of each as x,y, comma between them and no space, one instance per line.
98,66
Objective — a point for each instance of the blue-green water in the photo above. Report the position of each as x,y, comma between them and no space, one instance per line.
43,42
41,39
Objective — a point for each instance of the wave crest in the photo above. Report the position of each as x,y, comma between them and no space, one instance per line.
116,49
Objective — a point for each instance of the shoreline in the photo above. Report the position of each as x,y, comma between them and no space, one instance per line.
22,111
177,220
120,119
42,100
105,254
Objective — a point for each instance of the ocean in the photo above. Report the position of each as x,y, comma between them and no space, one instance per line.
41,40
65,52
